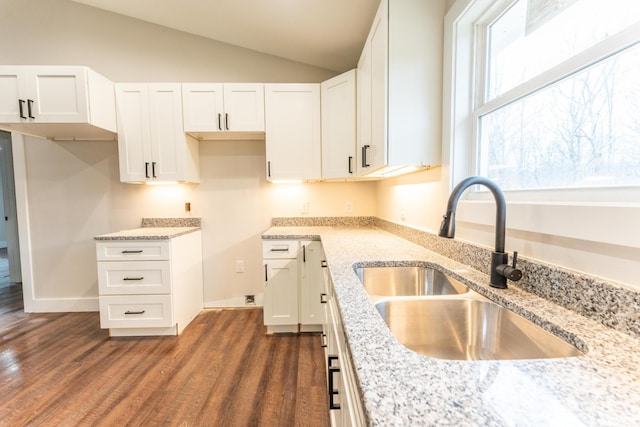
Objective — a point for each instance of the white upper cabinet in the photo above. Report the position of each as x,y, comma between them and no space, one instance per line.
212,110
293,142
57,102
152,145
338,100
202,107
400,87
244,107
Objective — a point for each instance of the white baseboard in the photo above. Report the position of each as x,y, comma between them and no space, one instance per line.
61,305
235,302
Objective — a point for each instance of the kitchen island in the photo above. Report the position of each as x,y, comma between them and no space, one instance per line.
150,278
399,387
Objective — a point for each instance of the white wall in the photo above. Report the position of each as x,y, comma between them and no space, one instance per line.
420,200
238,203
61,32
73,188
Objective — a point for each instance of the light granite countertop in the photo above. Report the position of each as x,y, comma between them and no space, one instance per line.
156,229
148,233
399,387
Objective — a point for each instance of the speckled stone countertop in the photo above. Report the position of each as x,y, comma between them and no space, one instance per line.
156,229
399,387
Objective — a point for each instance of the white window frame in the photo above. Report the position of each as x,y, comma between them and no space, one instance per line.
570,213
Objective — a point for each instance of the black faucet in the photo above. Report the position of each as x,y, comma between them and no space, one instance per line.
500,269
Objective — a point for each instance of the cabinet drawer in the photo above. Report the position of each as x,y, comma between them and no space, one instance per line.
134,277
121,250
136,311
273,249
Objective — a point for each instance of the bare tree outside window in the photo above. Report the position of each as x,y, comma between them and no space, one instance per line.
581,131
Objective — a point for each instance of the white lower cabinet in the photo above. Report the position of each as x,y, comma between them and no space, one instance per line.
345,405
150,287
293,285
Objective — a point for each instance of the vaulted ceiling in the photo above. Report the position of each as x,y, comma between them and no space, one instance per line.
325,33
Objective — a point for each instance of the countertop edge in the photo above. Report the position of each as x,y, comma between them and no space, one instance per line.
148,233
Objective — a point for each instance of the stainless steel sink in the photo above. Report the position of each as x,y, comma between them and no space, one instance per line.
466,328
408,281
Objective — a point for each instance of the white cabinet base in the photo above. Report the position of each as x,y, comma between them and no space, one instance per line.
282,329
310,328
137,332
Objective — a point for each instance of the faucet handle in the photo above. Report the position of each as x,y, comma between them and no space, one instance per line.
510,271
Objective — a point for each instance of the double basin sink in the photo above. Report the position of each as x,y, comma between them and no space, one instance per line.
436,315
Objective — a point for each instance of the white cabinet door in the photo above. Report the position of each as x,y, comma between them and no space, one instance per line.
292,121
281,292
311,283
202,105
13,94
376,155
152,145
244,107
57,94
134,137
168,146
217,107
364,109
338,100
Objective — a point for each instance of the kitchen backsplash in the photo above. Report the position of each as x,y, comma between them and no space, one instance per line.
171,222
610,303
325,221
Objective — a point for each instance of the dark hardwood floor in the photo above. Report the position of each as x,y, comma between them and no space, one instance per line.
61,369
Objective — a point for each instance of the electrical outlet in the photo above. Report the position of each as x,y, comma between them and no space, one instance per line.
349,207
240,266
187,207
304,207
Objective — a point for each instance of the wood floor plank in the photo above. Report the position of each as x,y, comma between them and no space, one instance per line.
61,369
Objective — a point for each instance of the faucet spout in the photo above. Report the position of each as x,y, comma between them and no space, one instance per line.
499,258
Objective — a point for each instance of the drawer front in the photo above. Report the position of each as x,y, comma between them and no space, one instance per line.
275,249
129,250
136,311
134,277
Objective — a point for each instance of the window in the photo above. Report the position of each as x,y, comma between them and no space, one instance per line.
557,99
